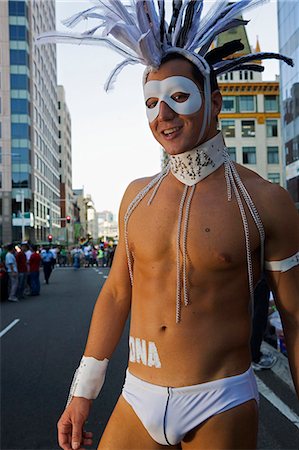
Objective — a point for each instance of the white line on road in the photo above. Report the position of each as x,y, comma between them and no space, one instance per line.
279,404
105,276
12,324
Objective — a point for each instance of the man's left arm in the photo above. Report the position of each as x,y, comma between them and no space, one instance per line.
282,269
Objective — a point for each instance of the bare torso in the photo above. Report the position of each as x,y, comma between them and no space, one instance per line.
212,339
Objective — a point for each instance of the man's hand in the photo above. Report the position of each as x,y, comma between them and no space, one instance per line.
71,435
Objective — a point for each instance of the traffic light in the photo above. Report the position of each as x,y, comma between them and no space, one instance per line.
50,237
68,219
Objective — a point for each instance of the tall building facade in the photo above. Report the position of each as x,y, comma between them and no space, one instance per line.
65,165
30,187
288,32
250,115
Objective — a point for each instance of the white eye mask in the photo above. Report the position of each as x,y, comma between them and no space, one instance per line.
164,90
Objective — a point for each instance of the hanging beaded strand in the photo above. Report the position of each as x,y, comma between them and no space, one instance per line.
178,259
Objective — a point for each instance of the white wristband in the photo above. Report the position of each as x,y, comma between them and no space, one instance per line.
88,379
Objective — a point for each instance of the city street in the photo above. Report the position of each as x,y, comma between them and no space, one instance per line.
42,340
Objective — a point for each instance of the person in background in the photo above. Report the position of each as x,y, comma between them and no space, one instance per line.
12,270
34,265
22,271
48,263
260,360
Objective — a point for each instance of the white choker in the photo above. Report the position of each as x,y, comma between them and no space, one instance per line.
193,166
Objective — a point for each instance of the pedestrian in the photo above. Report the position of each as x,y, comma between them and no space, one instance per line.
190,286
34,267
48,262
22,271
260,360
12,270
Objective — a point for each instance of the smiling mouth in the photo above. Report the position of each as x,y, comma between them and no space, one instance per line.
170,131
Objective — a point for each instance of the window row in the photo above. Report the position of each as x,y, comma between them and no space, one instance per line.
228,127
20,155
248,103
249,155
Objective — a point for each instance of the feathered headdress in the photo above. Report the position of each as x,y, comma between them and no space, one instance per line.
138,30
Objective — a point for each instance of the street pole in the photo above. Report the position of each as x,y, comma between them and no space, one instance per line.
23,213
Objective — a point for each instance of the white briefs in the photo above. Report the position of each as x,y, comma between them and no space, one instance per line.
169,413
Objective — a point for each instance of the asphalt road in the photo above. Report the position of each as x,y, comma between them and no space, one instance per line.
41,351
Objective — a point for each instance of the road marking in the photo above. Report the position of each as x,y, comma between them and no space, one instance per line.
12,324
279,404
105,276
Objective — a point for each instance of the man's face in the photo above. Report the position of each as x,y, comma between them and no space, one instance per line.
178,129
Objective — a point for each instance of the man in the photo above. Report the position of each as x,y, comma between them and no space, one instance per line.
48,263
34,267
12,270
190,288
22,271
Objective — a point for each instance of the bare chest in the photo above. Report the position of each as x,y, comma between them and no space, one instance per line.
214,237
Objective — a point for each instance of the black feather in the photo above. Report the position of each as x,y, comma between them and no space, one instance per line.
227,49
187,23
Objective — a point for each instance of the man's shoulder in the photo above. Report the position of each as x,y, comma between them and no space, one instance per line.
136,186
257,185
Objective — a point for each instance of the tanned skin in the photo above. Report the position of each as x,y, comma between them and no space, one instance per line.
212,339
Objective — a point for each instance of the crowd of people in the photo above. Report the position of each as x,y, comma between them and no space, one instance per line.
20,264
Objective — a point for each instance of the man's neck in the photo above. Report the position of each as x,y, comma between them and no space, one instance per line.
193,166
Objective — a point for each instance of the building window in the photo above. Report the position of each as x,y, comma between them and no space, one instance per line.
273,155
229,104
271,103
19,106
20,131
228,128
232,153
249,155
19,81
21,180
272,128
274,178
17,8
248,128
59,105
19,58
246,103
20,155
18,33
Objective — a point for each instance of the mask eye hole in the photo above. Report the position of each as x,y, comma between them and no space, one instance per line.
151,102
180,97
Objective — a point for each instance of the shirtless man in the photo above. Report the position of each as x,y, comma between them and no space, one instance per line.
213,225
211,341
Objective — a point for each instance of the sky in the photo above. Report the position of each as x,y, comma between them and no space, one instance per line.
111,141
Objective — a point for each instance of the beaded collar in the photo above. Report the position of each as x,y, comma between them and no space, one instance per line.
193,166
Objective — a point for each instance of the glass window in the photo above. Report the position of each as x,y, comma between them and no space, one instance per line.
228,128
248,128
249,155
232,153
20,155
272,128
17,8
19,106
21,180
19,81
274,178
271,103
273,155
246,103
20,131
228,103
0,155
19,57
18,33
